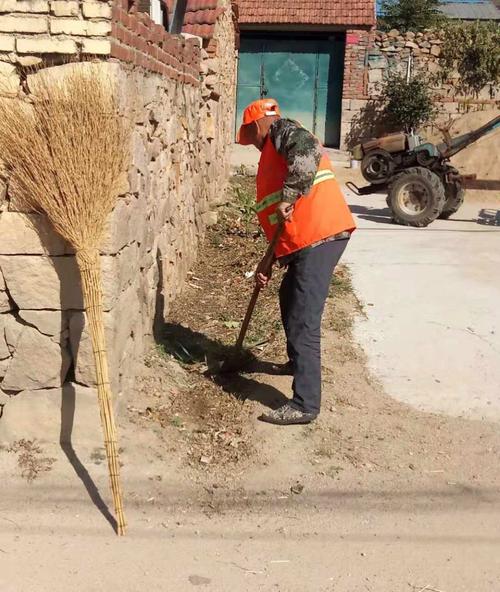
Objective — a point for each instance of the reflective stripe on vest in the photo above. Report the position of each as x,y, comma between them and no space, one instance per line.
277,196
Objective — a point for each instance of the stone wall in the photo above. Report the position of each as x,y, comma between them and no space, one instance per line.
31,30
179,167
392,51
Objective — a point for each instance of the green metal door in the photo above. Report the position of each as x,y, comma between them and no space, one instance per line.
303,75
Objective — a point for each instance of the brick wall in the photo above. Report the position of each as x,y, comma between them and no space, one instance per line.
355,75
137,40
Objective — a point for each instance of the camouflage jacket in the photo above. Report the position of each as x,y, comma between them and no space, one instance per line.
302,152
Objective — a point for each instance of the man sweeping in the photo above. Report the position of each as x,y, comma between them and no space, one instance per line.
296,188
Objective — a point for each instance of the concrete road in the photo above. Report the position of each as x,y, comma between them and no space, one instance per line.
432,303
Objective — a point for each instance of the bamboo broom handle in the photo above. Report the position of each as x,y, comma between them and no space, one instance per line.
90,270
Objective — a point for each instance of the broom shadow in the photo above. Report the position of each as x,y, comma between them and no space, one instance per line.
68,406
68,396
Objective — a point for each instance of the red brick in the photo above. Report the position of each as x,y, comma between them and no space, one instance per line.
116,13
134,23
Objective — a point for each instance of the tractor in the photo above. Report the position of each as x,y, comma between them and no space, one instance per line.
421,183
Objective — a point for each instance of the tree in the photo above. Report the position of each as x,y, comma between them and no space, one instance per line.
473,51
410,15
407,104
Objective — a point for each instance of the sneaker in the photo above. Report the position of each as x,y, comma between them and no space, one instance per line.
287,415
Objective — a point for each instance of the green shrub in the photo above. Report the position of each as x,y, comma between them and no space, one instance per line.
472,50
410,15
407,104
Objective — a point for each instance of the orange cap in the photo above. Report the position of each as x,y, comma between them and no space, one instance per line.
255,111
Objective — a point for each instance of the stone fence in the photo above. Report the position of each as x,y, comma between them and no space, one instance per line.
417,52
183,113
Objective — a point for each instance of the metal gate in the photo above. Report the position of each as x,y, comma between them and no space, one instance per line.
304,75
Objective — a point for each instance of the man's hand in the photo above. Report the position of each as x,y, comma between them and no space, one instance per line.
284,211
263,273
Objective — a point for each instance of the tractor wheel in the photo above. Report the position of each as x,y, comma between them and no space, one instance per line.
455,195
416,197
377,166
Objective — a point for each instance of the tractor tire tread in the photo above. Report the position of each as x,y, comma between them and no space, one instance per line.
438,191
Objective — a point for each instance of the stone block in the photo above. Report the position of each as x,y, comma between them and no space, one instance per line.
8,5
126,224
7,42
29,234
5,304
81,347
64,8
96,10
27,61
25,6
4,364
118,325
68,414
37,362
4,348
210,218
9,79
436,50
375,75
36,282
96,46
48,322
98,29
70,26
46,45
11,328
23,24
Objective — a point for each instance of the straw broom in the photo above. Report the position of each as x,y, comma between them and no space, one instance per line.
64,152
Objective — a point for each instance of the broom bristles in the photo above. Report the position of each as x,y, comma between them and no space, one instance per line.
64,153
66,149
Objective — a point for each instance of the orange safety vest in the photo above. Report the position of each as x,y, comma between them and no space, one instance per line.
320,214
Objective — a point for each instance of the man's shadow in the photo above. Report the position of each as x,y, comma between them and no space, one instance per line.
192,347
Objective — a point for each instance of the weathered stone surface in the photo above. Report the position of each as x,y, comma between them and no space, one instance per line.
4,348
96,46
28,234
45,45
25,24
12,329
119,327
69,414
108,71
4,364
48,322
7,42
9,79
5,304
210,218
64,7
96,10
37,362
375,75
27,61
36,282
